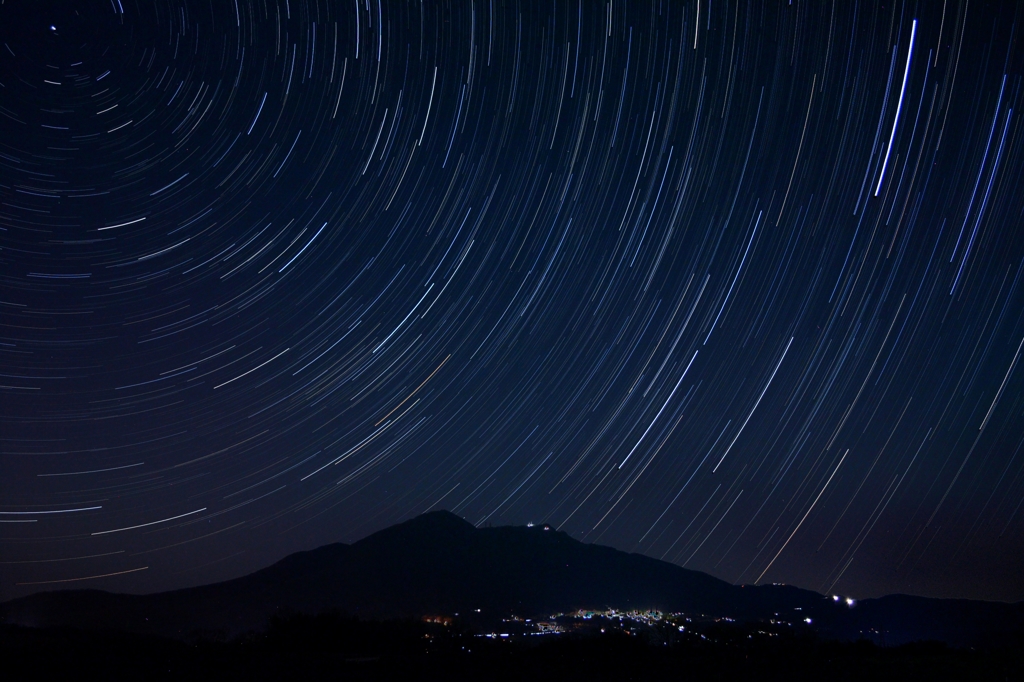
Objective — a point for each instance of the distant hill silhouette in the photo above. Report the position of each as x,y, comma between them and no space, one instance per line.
438,563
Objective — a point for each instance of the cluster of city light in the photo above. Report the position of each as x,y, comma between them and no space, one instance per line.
556,623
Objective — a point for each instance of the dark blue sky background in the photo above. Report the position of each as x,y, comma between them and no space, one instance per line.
734,285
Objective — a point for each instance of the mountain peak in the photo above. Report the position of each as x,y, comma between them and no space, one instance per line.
427,525
441,518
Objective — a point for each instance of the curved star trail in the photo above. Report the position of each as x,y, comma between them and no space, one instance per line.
737,286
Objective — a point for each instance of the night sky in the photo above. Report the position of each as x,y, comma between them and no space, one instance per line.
735,285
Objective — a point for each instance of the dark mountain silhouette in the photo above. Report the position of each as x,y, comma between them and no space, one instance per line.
438,563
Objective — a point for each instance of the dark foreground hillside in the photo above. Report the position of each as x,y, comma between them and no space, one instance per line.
438,564
337,648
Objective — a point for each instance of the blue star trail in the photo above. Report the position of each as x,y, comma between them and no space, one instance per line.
733,285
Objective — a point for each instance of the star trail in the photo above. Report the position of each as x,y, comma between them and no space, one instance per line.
732,284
